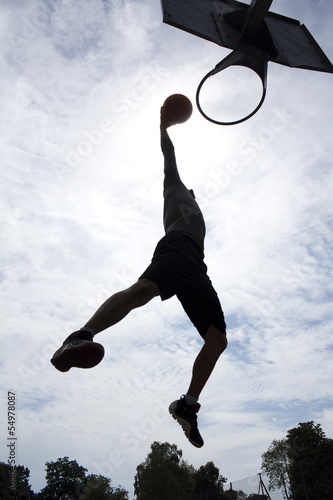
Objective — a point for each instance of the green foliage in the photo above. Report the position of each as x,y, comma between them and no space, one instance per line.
99,488
275,464
207,478
304,439
21,475
66,479
255,496
234,495
166,476
302,463
311,462
163,475
62,479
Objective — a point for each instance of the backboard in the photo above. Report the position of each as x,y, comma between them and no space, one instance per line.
272,37
255,35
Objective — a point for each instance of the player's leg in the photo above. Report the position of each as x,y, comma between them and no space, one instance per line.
116,307
215,343
185,409
78,349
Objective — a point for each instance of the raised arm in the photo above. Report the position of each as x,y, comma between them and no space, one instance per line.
171,175
164,125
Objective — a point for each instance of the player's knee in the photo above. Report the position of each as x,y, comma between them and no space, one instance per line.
223,343
220,343
216,340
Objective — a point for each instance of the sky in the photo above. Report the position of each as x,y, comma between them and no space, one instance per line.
81,212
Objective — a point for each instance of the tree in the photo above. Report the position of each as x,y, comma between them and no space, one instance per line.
163,475
66,479
256,496
120,494
62,479
301,464
275,464
99,488
207,479
234,495
311,462
19,473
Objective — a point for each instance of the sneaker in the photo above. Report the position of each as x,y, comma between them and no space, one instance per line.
186,416
78,350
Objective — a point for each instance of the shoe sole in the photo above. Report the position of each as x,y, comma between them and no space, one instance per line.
185,425
86,355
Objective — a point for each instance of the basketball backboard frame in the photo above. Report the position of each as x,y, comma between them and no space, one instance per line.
255,35
275,38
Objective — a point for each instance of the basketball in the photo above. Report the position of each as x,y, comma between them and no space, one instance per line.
177,109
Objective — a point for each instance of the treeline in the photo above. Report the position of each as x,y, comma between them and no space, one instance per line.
301,465
65,480
164,475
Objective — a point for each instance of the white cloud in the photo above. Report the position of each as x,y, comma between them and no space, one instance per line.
81,197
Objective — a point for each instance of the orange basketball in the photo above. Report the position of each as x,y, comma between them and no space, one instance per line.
177,108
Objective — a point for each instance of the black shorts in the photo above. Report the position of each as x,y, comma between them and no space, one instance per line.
178,268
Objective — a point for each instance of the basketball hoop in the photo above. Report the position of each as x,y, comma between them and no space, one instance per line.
255,34
259,66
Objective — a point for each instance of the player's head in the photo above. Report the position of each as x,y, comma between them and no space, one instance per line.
191,193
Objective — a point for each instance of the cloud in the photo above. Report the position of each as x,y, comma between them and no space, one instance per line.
81,197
